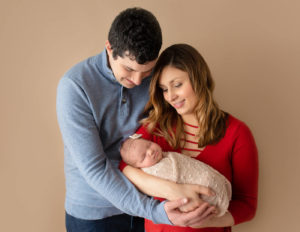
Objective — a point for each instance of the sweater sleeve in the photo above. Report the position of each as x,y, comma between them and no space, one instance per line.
81,138
244,176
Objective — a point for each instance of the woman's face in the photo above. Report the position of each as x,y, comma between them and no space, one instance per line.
178,92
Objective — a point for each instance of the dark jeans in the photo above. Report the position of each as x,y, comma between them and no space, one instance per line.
118,223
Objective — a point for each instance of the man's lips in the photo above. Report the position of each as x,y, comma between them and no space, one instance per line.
131,82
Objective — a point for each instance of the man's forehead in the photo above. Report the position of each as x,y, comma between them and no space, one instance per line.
129,55
130,61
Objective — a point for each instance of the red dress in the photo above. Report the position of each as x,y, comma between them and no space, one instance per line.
235,156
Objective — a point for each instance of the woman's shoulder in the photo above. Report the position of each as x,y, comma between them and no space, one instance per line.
236,126
234,122
154,136
145,130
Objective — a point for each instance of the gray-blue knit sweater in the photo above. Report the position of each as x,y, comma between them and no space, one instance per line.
95,113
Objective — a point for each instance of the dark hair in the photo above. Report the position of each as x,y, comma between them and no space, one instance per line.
211,119
136,31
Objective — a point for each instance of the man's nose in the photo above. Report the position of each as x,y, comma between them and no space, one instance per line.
137,78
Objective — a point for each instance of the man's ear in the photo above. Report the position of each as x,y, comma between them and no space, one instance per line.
108,47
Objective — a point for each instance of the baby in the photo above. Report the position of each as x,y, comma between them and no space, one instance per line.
148,156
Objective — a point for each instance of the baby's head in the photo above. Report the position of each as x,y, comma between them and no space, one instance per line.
140,153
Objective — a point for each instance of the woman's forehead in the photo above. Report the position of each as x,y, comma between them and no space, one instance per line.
171,74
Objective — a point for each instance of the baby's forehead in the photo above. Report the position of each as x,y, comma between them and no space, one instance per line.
133,143
139,142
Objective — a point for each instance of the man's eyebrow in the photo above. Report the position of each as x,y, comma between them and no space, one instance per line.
135,70
129,68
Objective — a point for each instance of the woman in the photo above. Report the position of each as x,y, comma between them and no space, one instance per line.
183,117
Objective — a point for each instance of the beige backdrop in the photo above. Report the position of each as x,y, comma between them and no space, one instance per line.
252,48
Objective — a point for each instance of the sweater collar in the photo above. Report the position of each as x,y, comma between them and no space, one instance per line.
102,63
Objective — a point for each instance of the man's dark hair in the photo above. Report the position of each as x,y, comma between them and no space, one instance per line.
136,31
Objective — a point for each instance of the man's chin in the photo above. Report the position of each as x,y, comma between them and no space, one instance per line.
129,86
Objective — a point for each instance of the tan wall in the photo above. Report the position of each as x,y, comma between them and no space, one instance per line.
252,48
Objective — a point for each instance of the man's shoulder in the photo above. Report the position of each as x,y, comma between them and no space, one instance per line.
82,68
89,74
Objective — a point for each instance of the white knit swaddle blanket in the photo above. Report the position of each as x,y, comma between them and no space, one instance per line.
186,170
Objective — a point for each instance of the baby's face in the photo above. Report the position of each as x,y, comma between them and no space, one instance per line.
146,152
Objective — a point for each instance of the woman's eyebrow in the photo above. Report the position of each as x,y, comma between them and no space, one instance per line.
161,85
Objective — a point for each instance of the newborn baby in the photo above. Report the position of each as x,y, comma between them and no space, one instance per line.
148,156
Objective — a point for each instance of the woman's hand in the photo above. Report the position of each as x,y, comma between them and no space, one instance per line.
212,221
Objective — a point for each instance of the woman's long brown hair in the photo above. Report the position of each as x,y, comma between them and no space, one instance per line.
163,117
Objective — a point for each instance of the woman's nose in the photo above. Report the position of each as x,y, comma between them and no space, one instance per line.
171,95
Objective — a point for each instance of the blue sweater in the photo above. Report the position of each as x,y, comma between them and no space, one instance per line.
95,113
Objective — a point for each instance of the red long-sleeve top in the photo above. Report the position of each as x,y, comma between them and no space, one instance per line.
235,156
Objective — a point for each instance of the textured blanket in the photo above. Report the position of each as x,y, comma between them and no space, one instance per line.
186,170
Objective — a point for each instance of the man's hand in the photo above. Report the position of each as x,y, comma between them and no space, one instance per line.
192,218
193,194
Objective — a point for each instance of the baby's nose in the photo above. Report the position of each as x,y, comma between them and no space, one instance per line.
150,152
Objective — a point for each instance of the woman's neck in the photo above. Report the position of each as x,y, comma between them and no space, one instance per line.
189,142
190,119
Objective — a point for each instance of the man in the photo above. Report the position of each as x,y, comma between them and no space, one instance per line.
99,103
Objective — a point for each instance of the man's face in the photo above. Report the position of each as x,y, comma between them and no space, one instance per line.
128,72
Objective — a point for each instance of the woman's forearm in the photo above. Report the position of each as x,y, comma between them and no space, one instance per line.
224,221
151,185
159,187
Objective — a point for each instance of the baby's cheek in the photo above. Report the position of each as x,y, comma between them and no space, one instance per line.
152,162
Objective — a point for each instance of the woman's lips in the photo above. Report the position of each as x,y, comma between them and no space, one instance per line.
178,104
